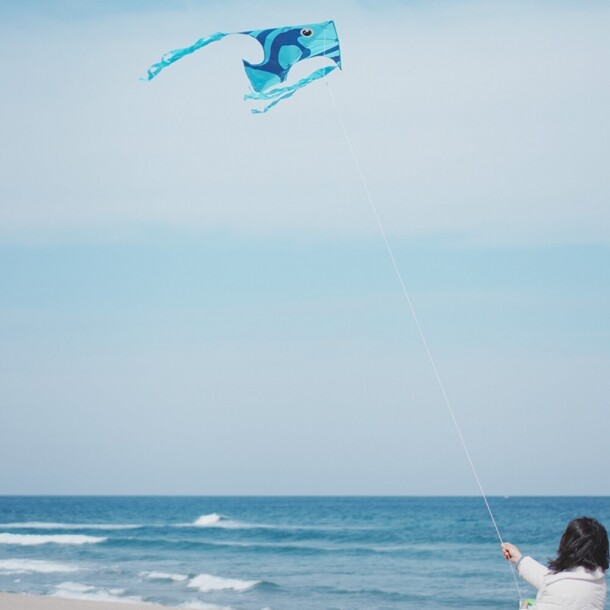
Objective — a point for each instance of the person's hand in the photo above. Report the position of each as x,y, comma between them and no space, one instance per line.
511,552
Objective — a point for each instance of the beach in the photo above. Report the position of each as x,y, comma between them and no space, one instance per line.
16,601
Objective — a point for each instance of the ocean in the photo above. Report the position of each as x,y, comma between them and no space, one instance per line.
279,553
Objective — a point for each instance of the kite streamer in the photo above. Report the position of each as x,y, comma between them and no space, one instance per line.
283,48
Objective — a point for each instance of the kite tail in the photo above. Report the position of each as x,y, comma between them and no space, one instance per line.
282,93
171,56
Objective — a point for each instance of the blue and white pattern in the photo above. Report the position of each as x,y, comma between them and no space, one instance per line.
283,48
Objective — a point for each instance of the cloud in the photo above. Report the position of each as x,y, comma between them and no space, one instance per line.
491,124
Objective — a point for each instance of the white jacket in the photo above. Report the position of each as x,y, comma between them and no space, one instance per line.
575,589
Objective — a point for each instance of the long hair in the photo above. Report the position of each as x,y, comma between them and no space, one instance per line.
584,543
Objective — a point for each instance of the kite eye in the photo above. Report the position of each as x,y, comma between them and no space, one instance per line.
306,32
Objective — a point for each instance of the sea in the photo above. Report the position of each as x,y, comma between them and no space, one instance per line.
280,553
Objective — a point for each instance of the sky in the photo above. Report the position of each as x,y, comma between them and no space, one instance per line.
197,300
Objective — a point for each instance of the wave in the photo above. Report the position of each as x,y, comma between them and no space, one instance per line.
255,546
207,520
26,566
76,590
206,583
164,576
34,539
41,525
216,520
197,605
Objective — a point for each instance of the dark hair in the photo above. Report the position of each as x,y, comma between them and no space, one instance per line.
584,543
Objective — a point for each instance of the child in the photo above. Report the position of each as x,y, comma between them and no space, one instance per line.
575,580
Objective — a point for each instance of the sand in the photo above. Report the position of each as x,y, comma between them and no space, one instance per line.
12,601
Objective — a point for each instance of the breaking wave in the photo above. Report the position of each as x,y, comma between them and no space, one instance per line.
164,576
208,520
216,520
27,566
76,590
206,583
197,605
34,539
41,525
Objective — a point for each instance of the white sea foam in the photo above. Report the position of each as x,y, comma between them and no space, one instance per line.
216,520
26,566
34,539
163,576
197,605
206,583
41,525
75,587
210,520
76,590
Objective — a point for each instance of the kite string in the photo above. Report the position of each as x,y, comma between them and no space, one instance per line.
416,319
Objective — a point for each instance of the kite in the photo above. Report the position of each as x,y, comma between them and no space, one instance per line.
283,48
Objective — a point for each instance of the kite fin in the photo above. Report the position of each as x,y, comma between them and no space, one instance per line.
171,56
281,93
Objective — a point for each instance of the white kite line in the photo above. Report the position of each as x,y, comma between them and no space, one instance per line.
416,319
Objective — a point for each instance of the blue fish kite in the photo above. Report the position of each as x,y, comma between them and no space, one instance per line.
283,48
